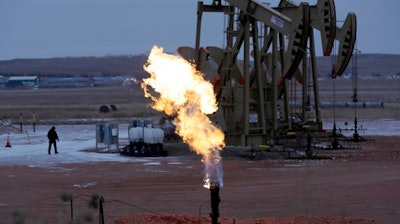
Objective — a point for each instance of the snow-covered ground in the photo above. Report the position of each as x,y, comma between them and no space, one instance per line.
30,148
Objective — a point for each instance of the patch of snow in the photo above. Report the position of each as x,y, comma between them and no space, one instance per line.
30,148
84,185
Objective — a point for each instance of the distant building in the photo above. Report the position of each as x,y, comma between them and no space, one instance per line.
3,80
22,81
67,82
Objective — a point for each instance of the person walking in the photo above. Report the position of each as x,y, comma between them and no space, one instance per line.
52,136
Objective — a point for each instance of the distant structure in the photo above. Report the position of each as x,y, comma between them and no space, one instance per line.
70,82
22,81
67,82
3,80
60,82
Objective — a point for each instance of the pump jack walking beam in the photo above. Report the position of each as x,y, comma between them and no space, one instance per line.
296,28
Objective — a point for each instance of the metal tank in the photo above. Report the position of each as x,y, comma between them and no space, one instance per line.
144,140
107,134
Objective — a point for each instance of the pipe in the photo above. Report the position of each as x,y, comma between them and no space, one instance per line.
342,104
215,200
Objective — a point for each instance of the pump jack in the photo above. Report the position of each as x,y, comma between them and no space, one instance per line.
250,94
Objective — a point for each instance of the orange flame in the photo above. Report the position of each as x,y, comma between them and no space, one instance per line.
179,90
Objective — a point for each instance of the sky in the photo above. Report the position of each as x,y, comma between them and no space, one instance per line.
73,28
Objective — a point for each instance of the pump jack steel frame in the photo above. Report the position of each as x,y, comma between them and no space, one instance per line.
250,95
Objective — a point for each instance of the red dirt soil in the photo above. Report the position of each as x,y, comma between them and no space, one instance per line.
357,186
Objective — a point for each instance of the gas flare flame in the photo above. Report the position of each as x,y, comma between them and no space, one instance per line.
179,90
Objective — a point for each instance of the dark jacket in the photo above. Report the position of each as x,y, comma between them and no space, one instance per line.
52,135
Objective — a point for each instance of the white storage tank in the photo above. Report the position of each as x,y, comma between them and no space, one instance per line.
136,134
153,135
146,135
145,141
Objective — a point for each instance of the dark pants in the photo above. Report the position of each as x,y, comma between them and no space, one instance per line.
55,146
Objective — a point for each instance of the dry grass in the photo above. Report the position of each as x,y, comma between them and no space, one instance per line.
389,111
386,91
84,103
73,103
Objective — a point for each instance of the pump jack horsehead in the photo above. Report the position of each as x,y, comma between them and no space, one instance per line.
277,50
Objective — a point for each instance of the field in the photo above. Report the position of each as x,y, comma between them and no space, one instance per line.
386,91
84,103
354,186
72,103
